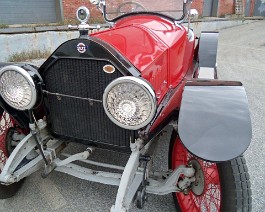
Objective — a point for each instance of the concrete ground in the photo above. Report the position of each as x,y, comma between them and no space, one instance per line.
241,56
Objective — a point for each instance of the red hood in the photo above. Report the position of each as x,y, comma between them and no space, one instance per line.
155,46
142,39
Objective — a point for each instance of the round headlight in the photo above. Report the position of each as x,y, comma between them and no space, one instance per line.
130,102
82,14
17,88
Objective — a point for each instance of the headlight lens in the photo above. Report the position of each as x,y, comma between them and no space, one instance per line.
130,102
17,88
82,14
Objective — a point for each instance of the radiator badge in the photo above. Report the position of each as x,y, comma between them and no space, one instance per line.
81,48
108,69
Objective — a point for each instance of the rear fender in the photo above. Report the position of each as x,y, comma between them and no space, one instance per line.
214,120
207,53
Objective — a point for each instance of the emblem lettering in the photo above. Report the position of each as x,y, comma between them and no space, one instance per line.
81,47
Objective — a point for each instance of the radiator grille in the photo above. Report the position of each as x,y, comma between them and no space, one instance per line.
78,118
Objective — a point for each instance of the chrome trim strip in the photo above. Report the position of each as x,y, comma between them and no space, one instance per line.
69,96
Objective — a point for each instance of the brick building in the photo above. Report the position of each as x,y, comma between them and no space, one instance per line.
70,6
214,8
52,11
221,8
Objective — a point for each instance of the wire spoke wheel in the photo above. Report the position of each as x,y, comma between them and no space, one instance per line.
205,193
6,123
6,127
217,186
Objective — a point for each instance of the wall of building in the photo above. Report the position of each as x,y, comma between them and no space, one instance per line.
198,5
226,7
29,12
70,7
50,40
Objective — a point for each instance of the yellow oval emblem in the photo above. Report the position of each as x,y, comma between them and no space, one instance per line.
109,69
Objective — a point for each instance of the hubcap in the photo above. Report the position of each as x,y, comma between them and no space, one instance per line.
205,192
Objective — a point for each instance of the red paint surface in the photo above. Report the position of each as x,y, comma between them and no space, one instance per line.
155,46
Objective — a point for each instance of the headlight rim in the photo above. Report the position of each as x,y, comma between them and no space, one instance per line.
30,81
146,86
87,14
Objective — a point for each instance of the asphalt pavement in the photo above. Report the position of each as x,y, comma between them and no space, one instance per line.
241,57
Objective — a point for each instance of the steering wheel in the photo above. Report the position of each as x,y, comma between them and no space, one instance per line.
127,7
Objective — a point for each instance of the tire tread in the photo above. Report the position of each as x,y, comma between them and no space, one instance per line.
238,185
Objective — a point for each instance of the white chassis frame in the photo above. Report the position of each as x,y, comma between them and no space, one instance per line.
128,182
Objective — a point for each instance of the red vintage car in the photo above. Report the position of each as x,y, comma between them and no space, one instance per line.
117,89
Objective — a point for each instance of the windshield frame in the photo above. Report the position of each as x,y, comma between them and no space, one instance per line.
102,7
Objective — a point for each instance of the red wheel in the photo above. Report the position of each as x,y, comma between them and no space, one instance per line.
6,123
6,131
215,186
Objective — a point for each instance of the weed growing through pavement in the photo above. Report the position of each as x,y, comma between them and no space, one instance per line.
29,55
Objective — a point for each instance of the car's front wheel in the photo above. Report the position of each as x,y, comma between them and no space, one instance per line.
7,128
218,186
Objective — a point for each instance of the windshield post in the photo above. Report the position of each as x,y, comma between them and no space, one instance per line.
187,11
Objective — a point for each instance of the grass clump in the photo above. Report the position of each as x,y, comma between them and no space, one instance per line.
2,26
29,55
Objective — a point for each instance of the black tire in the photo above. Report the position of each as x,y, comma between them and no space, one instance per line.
10,190
233,182
6,191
